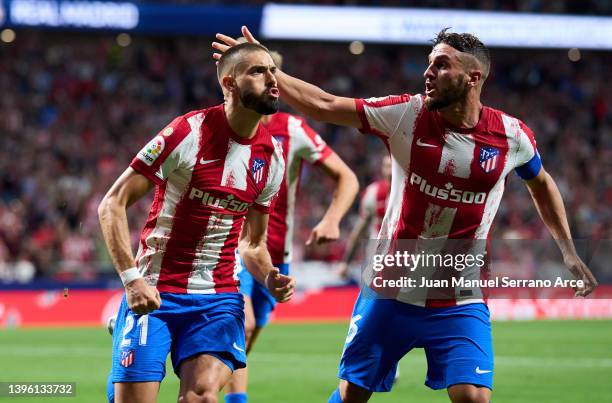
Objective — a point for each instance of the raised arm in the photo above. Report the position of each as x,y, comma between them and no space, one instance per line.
548,202
112,213
309,99
256,258
347,186
317,104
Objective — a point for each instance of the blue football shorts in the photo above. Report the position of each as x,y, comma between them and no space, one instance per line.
456,340
185,325
263,302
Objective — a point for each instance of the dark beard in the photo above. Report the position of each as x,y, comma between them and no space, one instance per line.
262,104
454,94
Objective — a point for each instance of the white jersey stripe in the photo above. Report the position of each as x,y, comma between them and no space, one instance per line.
276,173
236,165
401,150
457,154
208,253
400,166
438,221
401,147
374,117
150,261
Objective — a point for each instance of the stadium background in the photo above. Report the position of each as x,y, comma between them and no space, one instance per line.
78,103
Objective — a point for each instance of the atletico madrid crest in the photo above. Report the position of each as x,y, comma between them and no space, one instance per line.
488,158
127,358
257,169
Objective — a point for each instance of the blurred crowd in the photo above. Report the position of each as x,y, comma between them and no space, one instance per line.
77,108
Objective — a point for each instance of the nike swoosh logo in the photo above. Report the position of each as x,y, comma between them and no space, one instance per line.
237,348
420,143
482,371
204,162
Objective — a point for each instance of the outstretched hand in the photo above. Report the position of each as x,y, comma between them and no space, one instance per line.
227,42
325,231
580,271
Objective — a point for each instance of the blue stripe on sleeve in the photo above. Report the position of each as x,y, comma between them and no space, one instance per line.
531,169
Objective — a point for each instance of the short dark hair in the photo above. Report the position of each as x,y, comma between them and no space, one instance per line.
277,58
232,55
466,43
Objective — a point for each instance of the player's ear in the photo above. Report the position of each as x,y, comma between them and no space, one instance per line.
228,83
475,77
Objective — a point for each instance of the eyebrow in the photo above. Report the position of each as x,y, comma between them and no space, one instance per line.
248,68
258,66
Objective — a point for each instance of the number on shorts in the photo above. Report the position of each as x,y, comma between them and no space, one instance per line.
143,322
352,329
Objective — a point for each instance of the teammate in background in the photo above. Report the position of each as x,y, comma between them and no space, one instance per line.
450,159
371,213
300,143
215,171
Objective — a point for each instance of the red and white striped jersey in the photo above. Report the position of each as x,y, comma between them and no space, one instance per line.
373,205
299,143
447,182
207,178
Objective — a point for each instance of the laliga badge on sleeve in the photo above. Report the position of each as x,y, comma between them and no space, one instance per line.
151,151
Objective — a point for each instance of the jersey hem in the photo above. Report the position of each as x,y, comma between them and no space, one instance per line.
326,153
180,290
263,209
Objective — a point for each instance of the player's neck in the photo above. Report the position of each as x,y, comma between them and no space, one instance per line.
464,115
243,121
265,119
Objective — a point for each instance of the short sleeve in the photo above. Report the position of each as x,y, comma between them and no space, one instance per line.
528,161
161,155
308,143
367,206
276,173
383,116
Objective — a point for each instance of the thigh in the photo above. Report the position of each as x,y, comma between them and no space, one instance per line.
202,374
379,335
214,325
141,344
136,392
352,393
249,317
459,347
469,393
